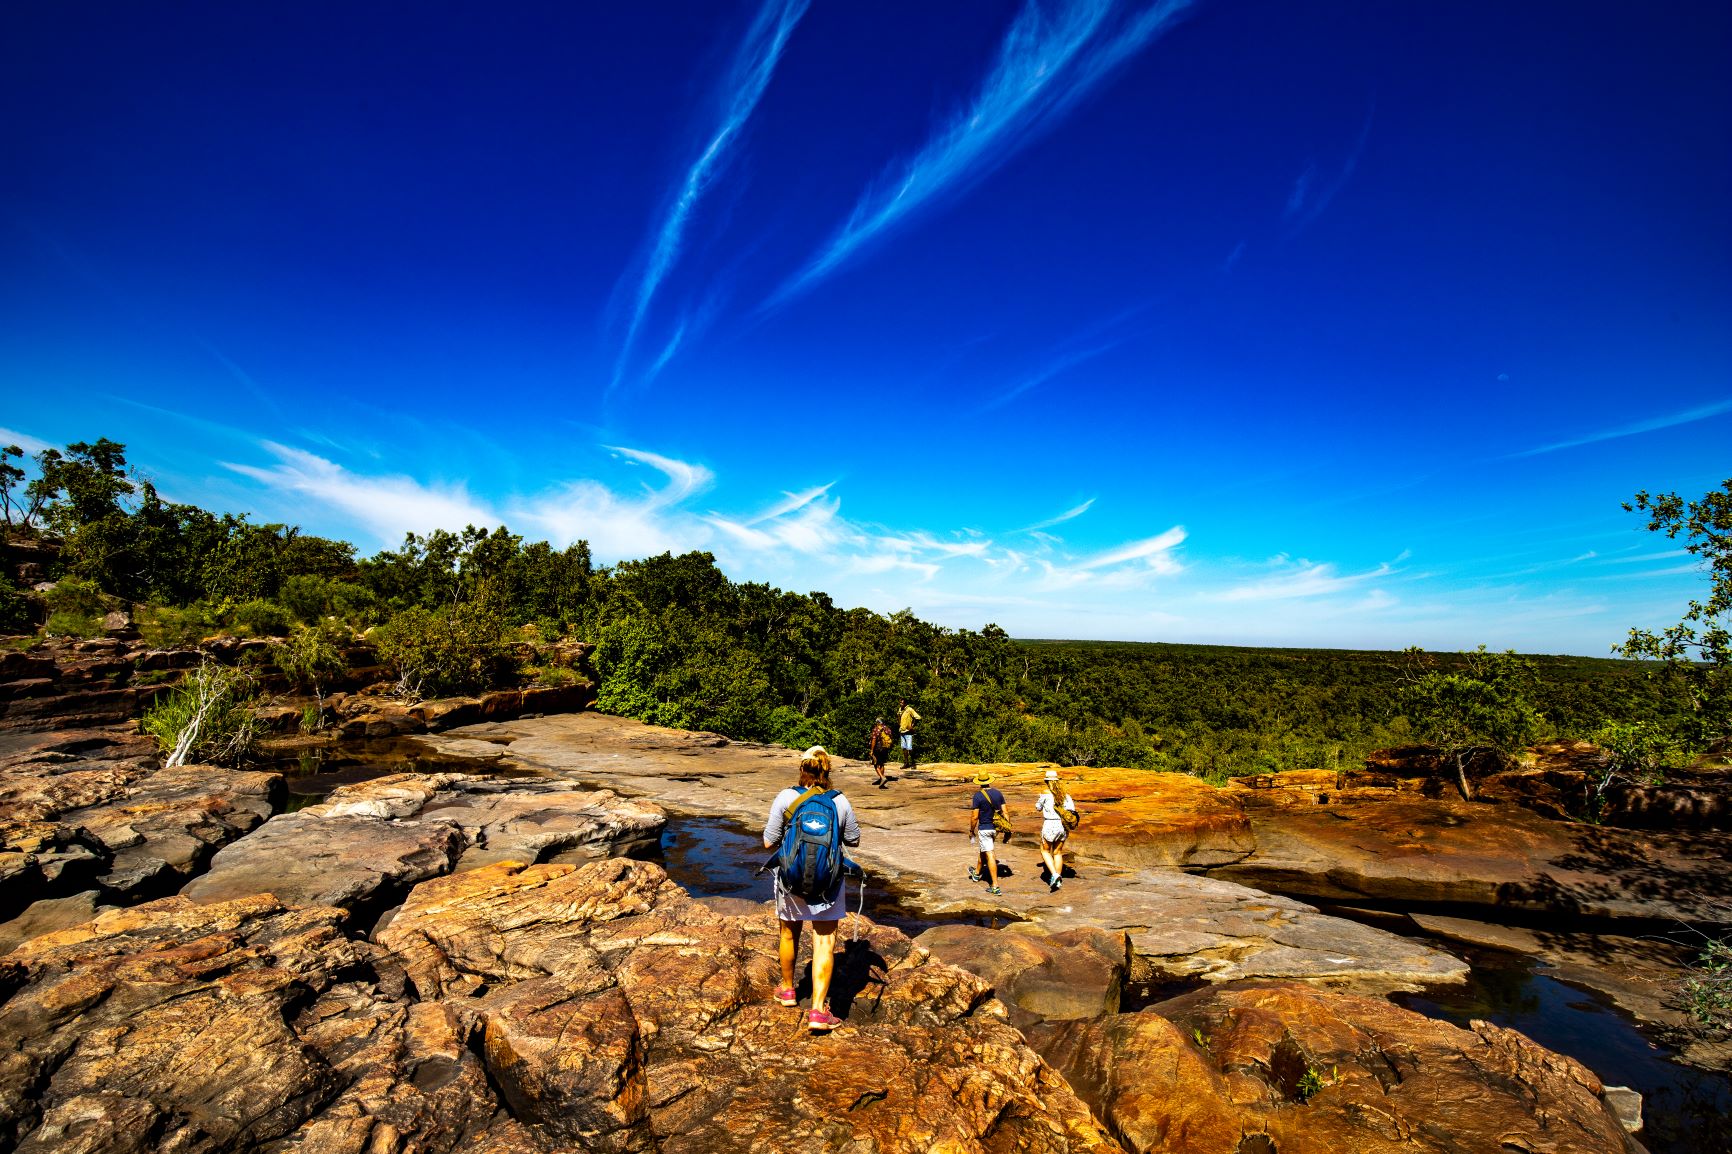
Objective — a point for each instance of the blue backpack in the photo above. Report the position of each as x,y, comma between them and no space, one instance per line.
810,862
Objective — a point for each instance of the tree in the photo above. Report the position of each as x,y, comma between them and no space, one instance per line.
13,509
1697,651
1482,705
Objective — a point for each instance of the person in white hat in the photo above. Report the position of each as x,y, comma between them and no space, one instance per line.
1053,829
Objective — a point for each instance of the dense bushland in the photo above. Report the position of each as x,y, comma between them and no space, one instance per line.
679,643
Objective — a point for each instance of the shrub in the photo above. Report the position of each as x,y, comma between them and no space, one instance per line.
1708,990
68,624
207,718
311,598
14,607
789,727
76,598
260,618
166,627
461,650
312,655
551,675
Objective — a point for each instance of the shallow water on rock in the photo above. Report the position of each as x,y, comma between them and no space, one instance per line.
715,857
1684,1110
311,774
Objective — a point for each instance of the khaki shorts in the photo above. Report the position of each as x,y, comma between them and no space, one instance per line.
986,838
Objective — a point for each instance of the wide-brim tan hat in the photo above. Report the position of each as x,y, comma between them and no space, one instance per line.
983,779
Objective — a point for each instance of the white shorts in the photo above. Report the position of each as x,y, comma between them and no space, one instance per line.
908,742
986,837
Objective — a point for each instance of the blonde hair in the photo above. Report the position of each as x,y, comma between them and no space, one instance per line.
815,767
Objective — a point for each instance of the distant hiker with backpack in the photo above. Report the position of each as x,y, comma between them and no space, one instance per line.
809,824
1058,818
905,719
879,742
985,821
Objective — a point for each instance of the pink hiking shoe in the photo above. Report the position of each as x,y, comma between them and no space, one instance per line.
787,997
822,1021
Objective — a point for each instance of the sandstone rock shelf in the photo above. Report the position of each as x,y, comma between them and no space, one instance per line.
914,835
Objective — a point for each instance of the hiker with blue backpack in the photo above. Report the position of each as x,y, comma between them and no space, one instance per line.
808,826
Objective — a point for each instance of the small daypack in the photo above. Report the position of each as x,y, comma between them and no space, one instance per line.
1000,823
810,862
1069,816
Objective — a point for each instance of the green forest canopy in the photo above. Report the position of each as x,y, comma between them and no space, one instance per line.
680,644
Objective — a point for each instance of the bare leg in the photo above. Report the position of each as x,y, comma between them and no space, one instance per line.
790,946
1058,856
823,961
991,868
1053,869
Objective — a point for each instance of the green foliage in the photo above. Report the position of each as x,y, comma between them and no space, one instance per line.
1310,1083
259,618
167,627
1696,653
1484,705
206,719
65,624
678,643
1708,989
71,595
14,607
312,598
448,651
312,654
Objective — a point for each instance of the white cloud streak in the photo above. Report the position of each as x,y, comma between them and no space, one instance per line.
1304,580
754,64
1652,424
1058,366
388,506
23,440
1068,515
1046,64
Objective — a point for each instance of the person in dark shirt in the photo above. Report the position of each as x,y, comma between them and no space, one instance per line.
981,831
879,742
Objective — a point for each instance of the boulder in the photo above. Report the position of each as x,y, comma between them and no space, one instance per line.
676,1046
170,823
1316,1071
315,858
367,843
166,1027
46,916
1398,846
1181,926
1039,976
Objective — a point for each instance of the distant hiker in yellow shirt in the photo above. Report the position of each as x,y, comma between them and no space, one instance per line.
905,719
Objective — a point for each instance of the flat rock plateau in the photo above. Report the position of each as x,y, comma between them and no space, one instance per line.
487,962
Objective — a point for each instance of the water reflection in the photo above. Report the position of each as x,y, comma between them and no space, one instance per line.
1685,1110
715,857
312,773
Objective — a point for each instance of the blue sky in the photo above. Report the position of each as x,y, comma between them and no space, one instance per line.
1328,324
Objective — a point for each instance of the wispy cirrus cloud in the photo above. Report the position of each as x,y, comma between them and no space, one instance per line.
1098,338
1070,514
1047,63
1304,579
1306,202
23,440
1650,425
388,506
1059,365
753,65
